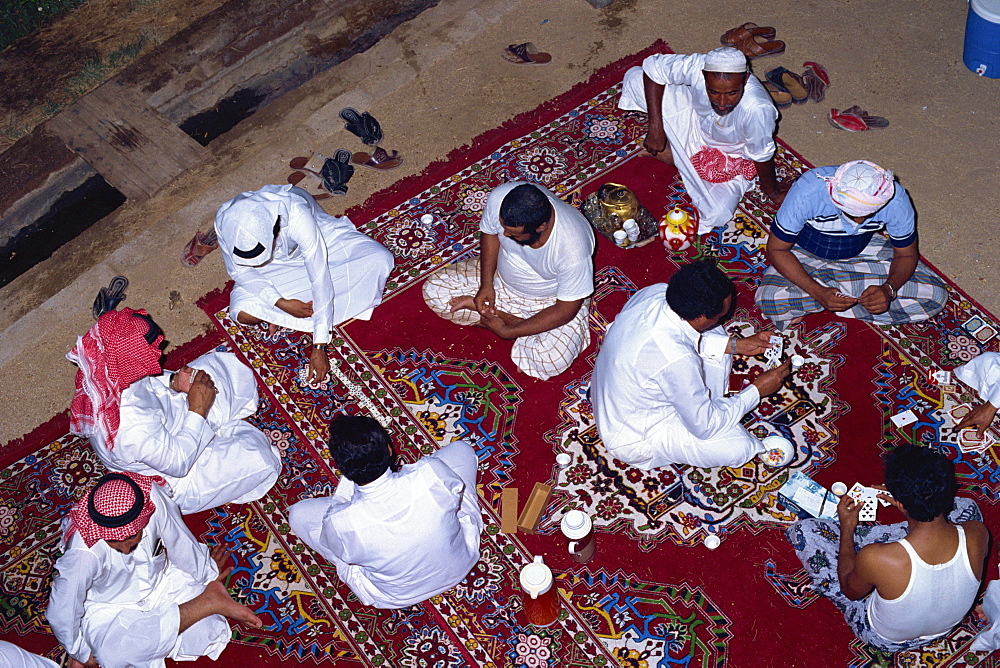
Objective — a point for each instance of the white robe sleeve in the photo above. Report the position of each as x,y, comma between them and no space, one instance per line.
250,279
76,572
705,419
757,128
183,549
144,437
983,373
303,229
675,69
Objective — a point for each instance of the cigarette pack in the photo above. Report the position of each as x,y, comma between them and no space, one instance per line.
805,496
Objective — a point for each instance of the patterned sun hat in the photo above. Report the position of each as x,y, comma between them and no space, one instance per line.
860,188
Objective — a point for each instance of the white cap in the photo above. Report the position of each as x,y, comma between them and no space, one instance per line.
563,459
427,219
576,524
725,59
712,541
536,578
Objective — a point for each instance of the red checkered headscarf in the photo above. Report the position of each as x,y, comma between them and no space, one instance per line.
115,508
111,356
714,166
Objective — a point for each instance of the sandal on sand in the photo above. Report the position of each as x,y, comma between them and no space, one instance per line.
309,182
730,37
781,97
313,163
818,70
363,125
751,48
110,297
815,86
378,159
201,244
849,122
526,54
870,121
791,82
337,171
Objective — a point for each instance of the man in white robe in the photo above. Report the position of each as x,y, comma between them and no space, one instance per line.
12,656
396,537
658,388
187,427
133,585
532,281
983,374
712,120
298,267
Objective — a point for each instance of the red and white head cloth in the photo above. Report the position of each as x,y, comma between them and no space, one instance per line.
117,507
860,188
111,356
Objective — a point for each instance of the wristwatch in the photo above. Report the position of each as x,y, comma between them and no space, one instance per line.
892,291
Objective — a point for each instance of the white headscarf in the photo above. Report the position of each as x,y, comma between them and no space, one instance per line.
725,59
245,224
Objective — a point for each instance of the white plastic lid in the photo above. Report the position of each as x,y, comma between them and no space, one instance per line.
576,524
427,219
536,578
987,9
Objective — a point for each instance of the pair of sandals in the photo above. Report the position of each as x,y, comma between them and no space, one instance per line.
753,41
322,177
110,297
856,119
787,88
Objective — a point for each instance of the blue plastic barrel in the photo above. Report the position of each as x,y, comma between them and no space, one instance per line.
982,38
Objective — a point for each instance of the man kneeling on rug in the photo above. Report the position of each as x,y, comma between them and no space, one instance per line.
531,282
713,121
827,251
396,535
187,427
134,586
298,267
900,586
659,381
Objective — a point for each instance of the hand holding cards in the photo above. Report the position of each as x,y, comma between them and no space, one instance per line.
870,500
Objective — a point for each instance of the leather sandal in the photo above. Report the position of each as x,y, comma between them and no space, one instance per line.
730,37
782,98
526,54
313,163
110,297
378,159
309,182
200,245
362,125
870,121
337,171
818,70
849,122
751,48
791,82
814,85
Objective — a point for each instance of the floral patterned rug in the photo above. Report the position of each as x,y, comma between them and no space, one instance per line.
654,596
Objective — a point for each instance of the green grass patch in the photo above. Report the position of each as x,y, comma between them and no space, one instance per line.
96,71
23,17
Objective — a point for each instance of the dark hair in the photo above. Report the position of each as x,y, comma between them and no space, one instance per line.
360,447
698,289
921,479
525,206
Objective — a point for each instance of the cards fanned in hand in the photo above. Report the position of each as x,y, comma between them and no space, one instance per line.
772,356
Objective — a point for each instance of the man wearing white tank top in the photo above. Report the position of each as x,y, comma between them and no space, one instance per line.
900,586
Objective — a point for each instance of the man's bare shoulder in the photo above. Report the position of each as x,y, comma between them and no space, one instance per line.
883,555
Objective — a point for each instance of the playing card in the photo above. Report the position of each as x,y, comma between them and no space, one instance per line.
942,377
856,491
773,354
868,510
903,419
970,441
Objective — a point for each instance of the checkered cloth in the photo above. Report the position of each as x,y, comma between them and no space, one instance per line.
113,497
540,355
920,298
112,355
817,545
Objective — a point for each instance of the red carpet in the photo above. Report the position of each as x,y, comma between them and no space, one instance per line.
654,596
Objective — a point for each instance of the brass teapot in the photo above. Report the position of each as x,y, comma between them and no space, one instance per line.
618,200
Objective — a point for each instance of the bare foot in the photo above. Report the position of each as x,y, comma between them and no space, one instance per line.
795,321
463,302
224,604
272,329
666,155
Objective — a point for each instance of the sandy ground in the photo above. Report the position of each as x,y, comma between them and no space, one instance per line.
438,81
